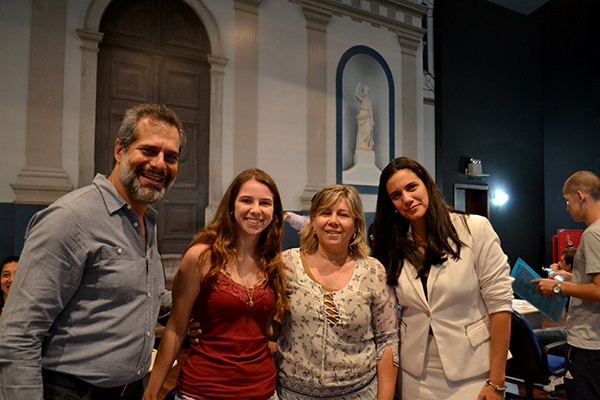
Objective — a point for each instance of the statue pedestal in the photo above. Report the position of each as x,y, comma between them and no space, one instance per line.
364,171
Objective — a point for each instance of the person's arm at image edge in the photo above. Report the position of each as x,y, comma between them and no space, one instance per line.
49,271
387,374
385,322
496,290
500,341
585,291
186,288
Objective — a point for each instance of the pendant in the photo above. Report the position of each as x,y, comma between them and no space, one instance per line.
250,293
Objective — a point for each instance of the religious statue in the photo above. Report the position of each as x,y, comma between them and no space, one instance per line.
364,118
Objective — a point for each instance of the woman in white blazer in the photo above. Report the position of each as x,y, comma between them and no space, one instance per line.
453,282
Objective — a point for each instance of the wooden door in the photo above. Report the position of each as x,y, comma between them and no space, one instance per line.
156,51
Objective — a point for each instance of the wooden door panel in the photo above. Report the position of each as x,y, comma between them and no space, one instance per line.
130,76
180,31
124,79
131,21
180,226
181,83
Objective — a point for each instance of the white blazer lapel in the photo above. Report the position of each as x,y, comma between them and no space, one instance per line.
410,273
434,272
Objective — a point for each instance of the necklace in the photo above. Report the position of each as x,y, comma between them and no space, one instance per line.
250,295
247,287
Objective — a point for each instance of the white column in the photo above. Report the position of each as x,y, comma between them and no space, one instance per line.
87,109
215,176
412,93
245,151
43,180
316,135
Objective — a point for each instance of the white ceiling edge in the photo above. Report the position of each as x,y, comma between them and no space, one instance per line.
525,7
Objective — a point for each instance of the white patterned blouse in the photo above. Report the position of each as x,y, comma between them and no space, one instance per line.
331,340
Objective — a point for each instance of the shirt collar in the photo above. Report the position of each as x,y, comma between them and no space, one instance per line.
113,199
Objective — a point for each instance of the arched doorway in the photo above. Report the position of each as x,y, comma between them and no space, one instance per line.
156,51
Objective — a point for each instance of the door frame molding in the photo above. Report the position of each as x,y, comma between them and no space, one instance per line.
91,37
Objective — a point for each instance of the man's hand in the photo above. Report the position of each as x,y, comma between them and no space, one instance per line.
545,286
194,331
567,275
554,267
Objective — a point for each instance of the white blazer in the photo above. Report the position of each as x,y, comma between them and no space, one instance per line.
461,296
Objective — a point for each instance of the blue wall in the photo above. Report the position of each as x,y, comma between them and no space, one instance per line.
571,100
13,223
518,92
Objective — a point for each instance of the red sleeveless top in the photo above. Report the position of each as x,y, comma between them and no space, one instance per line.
233,360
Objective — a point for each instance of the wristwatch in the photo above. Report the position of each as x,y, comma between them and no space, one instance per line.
557,289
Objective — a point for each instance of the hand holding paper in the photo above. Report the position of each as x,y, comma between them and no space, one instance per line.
525,286
545,286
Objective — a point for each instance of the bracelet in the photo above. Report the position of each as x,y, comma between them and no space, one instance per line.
497,388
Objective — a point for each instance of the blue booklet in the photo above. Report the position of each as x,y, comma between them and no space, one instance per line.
552,308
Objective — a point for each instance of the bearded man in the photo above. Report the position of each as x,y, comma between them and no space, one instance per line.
79,323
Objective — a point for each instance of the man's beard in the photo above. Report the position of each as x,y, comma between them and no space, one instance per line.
144,194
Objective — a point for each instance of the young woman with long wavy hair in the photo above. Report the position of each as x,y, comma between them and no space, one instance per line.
230,280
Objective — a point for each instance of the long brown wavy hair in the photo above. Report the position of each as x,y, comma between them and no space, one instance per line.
223,239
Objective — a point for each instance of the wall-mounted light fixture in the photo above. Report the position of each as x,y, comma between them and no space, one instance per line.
474,168
499,197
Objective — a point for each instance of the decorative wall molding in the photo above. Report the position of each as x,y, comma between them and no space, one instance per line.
40,185
250,6
399,16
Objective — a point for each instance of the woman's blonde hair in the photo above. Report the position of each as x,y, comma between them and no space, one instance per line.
326,198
